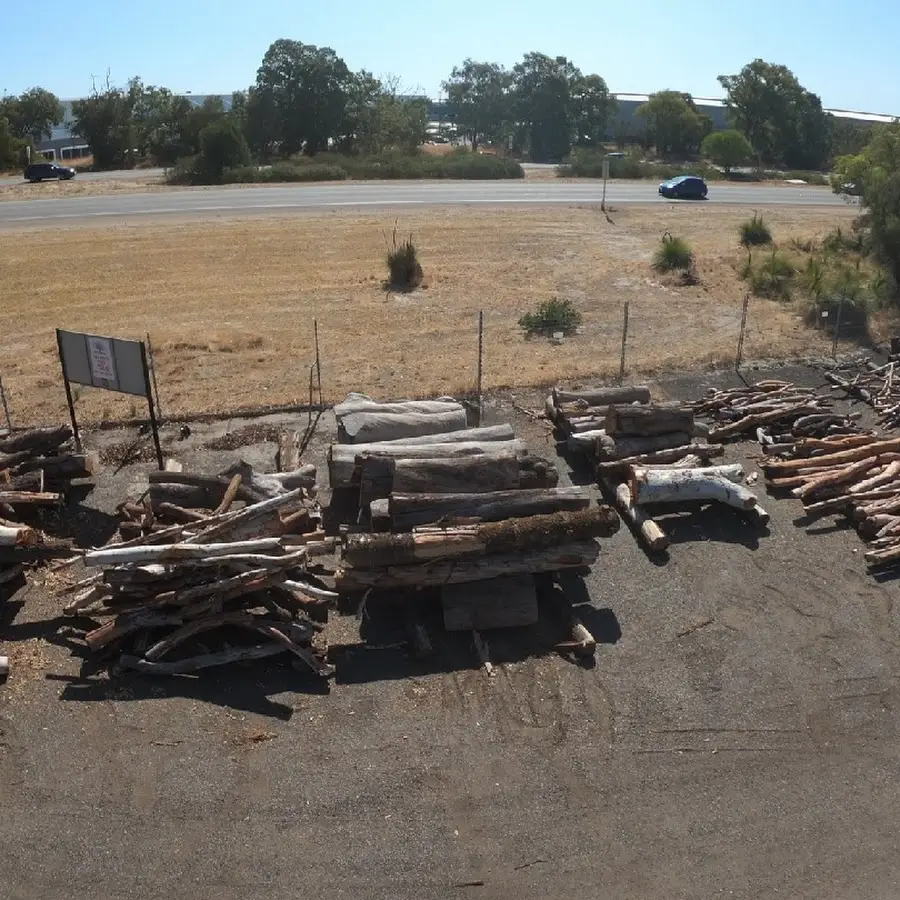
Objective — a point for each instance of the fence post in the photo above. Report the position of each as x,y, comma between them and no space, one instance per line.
740,347
480,364
624,342
153,376
837,328
5,405
318,360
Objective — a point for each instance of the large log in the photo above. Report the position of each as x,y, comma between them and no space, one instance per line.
358,403
462,570
611,448
488,433
410,510
367,427
603,396
685,485
18,536
652,535
648,421
344,471
275,483
215,486
531,533
36,439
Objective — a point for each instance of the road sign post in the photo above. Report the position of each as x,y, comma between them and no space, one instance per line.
605,179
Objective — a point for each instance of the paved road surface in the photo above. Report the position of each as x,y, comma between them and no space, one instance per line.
268,200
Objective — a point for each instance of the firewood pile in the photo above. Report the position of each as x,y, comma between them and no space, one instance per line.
856,476
877,385
447,505
37,468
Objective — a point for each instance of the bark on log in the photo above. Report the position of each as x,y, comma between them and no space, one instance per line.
380,516
677,486
18,536
32,481
582,424
649,421
368,427
409,510
235,522
183,495
36,439
874,448
611,448
584,442
64,467
344,471
288,456
489,433
463,570
532,533
214,485
166,553
651,533
26,498
359,403
603,396
658,457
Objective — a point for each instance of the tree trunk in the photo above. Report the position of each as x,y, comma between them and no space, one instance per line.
368,427
43,439
489,433
611,448
25,498
360,403
410,510
684,485
603,396
652,535
532,533
584,442
344,470
649,421
463,570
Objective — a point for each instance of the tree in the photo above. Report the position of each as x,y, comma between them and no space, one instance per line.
12,149
304,91
593,106
784,122
674,125
727,149
479,100
32,114
104,120
543,105
222,146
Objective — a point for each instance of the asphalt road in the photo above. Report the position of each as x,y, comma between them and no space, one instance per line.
203,203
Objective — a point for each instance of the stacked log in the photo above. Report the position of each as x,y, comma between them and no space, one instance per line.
222,587
37,468
362,420
877,385
584,412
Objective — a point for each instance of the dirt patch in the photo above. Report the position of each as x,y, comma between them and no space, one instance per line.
47,190
230,304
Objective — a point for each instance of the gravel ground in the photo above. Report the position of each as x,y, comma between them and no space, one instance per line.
735,736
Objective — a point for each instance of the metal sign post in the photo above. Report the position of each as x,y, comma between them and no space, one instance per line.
605,179
480,364
108,363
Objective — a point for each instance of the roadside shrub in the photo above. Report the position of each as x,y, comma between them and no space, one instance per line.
840,241
814,178
773,278
551,316
754,232
673,254
404,270
222,146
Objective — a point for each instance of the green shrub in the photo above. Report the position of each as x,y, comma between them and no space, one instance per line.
755,232
839,241
814,178
773,278
550,317
673,254
404,270
222,146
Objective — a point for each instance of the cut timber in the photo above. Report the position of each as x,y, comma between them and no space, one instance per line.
610,448
342,458
64,467
652,535
358,403
26,498
216,486
508,602
465,570
410,510
488,433
288,456
649,421
681,485
367,427
112,556
601,396
531,533
18,536
36,439
874,448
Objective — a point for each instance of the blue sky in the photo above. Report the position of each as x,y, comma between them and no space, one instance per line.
845,52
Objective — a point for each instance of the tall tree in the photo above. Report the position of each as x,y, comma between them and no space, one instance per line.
479,100
784,122
543,105
104,120
727,149
674,125
305,87
32,114
593,106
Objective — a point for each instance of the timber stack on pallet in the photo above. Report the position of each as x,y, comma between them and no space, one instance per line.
856,476
877,385
37,468
452,506
210,590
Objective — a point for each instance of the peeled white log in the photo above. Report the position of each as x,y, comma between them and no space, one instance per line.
164,553
731,472
585,441
488,433
609,447
367,427
678,486
655,538
357,403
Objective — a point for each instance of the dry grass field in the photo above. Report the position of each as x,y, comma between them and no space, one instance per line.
229,304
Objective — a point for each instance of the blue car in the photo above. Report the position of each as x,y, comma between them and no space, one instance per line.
684,187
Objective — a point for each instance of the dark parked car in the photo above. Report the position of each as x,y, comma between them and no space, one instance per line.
684,187
40,171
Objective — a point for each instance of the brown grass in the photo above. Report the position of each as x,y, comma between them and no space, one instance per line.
229,304
44,190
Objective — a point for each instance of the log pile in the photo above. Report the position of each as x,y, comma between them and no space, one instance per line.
223,587
877,385
37,468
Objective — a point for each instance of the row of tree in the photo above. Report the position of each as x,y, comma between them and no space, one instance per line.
306,99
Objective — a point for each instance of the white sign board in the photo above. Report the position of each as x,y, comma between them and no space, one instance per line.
103,362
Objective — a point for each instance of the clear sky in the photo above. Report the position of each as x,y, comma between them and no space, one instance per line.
847,52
